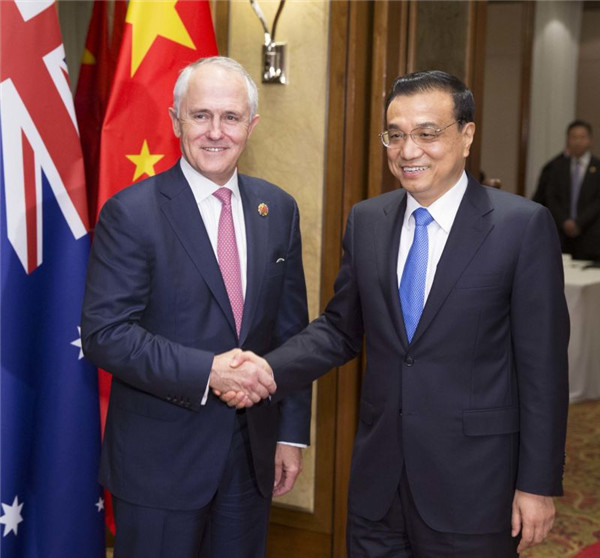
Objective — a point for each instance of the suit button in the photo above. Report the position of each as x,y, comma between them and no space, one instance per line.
409,360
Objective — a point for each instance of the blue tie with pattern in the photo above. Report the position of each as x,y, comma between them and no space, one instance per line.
412,284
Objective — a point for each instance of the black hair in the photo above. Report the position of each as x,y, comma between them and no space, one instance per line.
436,80
580,124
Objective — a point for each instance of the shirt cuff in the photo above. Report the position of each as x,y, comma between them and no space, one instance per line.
292,444
205,396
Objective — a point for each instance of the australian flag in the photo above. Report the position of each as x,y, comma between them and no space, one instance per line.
51,503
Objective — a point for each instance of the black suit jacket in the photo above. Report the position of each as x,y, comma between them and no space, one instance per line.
558,199
156,312
475,406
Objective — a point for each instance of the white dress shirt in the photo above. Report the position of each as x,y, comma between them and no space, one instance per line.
443,211
210,210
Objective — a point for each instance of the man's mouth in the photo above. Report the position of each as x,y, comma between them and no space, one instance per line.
214,149
412,170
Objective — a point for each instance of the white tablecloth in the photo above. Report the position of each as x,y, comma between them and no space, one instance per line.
582,291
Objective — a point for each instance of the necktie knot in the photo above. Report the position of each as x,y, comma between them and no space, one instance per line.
422,217
223,195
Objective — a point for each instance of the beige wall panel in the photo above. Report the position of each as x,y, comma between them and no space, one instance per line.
74,17
588,76
502,94
288,145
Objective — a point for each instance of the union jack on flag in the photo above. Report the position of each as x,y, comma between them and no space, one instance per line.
38,127
51,503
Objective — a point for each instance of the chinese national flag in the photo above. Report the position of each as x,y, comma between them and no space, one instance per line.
159,40
93,87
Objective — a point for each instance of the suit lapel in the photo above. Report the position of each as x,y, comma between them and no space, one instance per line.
181,210
469,230
587,180
386,243
257,238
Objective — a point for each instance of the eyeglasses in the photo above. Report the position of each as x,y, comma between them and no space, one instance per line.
421,136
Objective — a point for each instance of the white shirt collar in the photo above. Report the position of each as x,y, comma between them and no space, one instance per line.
584,160
444,209
202,187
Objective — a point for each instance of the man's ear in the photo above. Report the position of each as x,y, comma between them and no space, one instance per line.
468,133
253,123
175,122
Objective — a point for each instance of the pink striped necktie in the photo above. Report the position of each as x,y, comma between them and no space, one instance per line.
228,256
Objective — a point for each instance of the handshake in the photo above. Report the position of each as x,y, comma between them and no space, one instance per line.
241,378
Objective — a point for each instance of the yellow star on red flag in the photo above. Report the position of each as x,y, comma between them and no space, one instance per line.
144,161
150,20
88,57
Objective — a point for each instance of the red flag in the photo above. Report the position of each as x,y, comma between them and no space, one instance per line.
98,66
159,39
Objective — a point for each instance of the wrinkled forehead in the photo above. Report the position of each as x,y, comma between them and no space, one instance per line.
214,83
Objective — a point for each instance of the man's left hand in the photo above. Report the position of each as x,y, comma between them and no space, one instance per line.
533,517
288,465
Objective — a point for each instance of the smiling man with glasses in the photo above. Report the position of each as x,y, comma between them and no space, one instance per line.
458,291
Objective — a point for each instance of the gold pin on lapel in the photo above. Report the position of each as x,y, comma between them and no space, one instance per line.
592,169
263,209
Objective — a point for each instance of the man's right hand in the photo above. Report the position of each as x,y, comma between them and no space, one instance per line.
246,362
571,228
240,379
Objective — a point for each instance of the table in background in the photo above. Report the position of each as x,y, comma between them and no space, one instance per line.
582,291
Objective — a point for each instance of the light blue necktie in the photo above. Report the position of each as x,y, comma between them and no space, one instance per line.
412,284
576,180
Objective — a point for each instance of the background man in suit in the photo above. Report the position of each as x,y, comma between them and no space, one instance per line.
186,266
569,185
460,443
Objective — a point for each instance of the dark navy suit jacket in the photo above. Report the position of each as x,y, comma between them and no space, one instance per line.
156,312
557,175
475,406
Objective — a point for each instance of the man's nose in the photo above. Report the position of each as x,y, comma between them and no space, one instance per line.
409,149
215,130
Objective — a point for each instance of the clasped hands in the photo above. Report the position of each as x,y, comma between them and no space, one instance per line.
241,378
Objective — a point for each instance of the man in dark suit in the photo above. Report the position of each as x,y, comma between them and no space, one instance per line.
569,185
186,266
460,444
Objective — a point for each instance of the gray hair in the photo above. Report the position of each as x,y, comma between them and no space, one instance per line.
181,84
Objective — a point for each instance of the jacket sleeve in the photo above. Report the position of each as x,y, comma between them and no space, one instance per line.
589,206
332,339
540,332
117,293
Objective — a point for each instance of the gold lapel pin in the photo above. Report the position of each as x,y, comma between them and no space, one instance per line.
263,209
592,169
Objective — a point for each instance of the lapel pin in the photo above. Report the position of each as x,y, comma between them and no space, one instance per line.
263,209
592,170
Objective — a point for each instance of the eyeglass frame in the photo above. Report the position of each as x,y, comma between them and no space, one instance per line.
438,132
